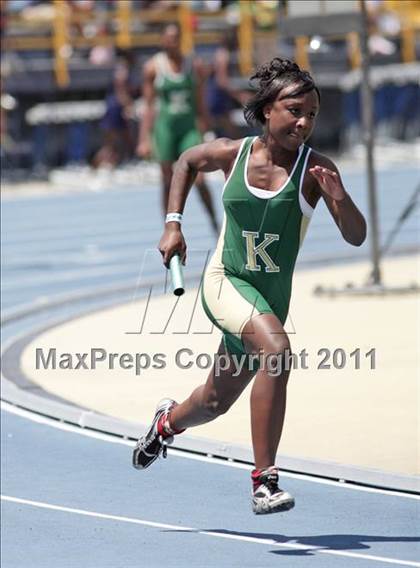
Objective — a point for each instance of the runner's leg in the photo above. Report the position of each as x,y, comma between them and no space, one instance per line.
266,335
213,398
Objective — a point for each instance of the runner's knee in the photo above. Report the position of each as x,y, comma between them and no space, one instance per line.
269,344
276,344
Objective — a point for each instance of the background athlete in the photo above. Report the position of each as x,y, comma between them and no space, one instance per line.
175,115
273,183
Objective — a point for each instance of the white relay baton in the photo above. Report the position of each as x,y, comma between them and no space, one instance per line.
177,276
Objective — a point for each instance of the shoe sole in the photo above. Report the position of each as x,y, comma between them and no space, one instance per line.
136,452
280,508
136,464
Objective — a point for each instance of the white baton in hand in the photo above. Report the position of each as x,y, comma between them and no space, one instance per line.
177,277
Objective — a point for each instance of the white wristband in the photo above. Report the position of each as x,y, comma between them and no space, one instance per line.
174,217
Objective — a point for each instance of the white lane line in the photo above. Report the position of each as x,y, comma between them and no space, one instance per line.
69,276
265,541
184,454
86,272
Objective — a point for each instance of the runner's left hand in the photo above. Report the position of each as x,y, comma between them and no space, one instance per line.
329,182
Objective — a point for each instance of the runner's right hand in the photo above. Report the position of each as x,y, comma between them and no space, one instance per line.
144,150
171,242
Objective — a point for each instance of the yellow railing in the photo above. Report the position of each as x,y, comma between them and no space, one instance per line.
245,37
62,33
60,41
123,38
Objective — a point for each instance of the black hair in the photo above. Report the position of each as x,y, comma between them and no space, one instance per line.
271,78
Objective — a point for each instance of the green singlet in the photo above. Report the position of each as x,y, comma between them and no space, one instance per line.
175,128
251,270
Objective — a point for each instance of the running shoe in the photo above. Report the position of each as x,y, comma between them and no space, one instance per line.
267,496
155,441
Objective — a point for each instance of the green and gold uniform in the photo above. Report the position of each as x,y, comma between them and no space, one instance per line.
251,270
174,130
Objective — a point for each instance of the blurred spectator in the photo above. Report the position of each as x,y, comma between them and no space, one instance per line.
39,11
79,10
103,53
384,25
222,98
3,118
7,143
118,138
83,6
175,113
2,18
206,5
159,4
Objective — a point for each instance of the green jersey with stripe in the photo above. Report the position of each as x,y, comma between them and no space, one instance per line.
261,235
175,93
174,130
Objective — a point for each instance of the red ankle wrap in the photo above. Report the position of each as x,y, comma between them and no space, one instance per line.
164,428
255,476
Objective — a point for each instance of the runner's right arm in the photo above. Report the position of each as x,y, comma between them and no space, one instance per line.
209,157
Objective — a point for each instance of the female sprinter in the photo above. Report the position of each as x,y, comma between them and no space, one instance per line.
273,183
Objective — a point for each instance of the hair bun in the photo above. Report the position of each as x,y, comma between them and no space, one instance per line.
276,67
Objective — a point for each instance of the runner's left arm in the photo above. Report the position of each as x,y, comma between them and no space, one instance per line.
345,213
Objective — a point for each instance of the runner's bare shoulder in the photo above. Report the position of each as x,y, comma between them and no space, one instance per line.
220,154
